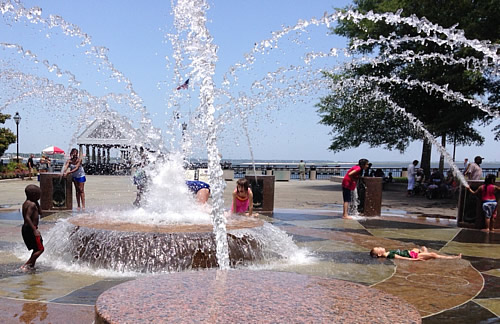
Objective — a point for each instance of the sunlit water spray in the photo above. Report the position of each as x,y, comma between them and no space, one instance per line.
194,44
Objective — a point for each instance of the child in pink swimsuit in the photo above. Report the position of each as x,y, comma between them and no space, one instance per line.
242,196
488,197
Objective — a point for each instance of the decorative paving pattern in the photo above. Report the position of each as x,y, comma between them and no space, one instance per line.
443,291
246,296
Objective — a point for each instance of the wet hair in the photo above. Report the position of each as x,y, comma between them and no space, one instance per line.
32,192
73,150
362,162
490,179
415,162
243,183
373,254
478,160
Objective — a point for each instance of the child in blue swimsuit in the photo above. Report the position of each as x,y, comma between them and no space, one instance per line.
200,189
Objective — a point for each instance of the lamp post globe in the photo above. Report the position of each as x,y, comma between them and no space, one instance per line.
17,119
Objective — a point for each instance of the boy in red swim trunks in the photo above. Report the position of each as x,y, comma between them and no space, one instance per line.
414,254
30,232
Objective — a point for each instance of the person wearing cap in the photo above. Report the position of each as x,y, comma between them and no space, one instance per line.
474,171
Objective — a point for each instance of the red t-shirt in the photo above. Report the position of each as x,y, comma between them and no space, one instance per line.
349,182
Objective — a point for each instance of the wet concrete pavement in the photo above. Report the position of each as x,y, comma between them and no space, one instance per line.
443,291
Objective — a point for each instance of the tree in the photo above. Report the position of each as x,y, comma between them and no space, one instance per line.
451,120
6,136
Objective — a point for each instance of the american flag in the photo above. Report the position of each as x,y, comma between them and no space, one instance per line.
185,85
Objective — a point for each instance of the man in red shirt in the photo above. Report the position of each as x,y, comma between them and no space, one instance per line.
350,181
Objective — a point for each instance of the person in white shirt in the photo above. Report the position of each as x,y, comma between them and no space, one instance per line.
412,171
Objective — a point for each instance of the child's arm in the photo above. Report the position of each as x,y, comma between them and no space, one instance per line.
475,192
31,210
66,167
354,172
250,202
38,208
77,165
234,203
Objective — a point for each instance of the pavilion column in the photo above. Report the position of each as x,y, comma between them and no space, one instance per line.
80,150
93,154
109,157
87,156
99,155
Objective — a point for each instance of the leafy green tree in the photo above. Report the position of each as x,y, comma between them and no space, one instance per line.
6,136
356,119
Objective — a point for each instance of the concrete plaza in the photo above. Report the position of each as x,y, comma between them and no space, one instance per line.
443,291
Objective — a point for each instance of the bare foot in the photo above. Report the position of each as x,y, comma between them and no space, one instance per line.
27,268
346,217
459,256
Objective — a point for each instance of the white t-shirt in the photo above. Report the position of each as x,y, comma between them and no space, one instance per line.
411,171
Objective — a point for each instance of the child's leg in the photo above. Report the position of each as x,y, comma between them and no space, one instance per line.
77,194
493,220
433,255
346,196
31,262
82,193
345,209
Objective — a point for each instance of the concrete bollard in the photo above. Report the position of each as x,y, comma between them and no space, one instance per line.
263,193
372,200
56,192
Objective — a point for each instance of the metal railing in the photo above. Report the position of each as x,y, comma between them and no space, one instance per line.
240,171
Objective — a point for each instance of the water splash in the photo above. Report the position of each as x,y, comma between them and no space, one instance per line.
190,17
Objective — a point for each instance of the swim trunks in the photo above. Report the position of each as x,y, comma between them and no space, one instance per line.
32,242
346,194
195,186
489,208
81,179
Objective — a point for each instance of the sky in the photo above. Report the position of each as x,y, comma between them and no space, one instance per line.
135,34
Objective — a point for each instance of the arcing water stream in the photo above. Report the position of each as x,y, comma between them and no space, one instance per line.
195,56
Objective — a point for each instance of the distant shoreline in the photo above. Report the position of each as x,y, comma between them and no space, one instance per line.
377,164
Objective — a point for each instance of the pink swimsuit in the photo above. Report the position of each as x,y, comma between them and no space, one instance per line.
241,203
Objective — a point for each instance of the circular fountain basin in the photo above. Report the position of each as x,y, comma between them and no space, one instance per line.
123,246
242,296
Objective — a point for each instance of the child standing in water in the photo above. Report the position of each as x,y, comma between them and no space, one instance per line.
414,254
31,234
489,199
349,183
74,164
242,198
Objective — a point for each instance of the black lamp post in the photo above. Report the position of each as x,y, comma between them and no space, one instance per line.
17,119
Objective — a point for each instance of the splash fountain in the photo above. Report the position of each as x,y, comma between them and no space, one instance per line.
87,244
